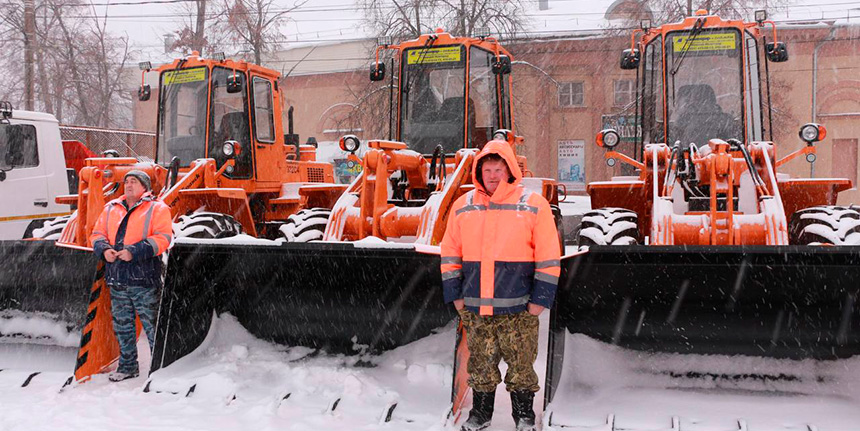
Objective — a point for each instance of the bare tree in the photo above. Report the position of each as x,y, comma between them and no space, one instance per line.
78,65
665,11
202,28
255,23
410,18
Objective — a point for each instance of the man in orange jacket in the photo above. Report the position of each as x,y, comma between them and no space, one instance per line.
500,268
130,235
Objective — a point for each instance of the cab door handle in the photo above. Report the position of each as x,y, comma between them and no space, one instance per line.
41,203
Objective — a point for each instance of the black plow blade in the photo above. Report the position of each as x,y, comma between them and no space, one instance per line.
332,296
40,278
632,320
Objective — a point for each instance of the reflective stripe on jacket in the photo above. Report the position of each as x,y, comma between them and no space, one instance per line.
147,234
500,252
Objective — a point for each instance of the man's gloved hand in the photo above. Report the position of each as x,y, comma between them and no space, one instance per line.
110,255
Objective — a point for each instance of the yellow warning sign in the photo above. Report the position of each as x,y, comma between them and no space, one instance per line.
704,42
445,54
184,76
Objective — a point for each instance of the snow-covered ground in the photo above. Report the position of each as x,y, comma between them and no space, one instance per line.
241,382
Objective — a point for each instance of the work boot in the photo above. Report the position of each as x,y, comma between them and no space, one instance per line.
522,409
482,411
118,377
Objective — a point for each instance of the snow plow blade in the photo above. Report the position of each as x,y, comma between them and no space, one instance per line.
771,305
40,280
332,296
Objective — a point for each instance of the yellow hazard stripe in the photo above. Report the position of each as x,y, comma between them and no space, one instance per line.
34,216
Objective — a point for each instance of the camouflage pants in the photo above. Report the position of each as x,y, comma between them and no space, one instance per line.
125,303
512,337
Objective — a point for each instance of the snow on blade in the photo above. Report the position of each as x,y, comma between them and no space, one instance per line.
37,328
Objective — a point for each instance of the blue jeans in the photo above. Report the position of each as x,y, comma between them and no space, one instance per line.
126,301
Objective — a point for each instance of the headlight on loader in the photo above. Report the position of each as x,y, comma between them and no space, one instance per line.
608,138
812,132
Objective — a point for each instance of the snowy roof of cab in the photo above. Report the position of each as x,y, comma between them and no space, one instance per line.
19,114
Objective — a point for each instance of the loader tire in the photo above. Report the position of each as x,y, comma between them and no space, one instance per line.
834,225
306,225
609,226
206,225
49,230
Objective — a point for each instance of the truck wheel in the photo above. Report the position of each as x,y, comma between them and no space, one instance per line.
306,225
835,225
49,230
206,225
609,226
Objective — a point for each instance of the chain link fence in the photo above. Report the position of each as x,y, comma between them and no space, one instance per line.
128,143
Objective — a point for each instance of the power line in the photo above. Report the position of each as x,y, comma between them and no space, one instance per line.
346,8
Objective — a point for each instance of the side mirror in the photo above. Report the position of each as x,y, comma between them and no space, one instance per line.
630,59
502,65
776,52
143,93
377,71
234,84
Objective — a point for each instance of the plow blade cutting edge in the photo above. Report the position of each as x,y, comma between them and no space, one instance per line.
333,296
715,314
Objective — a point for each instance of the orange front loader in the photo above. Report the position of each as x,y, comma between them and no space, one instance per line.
225,166
373,283
709,269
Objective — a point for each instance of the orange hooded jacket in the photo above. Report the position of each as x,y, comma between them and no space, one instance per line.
147,233
500,252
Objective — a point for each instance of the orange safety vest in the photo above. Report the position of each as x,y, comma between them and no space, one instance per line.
500,252
150,221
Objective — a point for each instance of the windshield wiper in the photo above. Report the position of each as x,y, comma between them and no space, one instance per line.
697,29
421,55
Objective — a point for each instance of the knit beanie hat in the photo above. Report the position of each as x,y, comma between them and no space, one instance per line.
142,177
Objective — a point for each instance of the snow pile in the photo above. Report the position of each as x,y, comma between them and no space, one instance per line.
39,328
648,389
374,242
575,205
241,239
315,391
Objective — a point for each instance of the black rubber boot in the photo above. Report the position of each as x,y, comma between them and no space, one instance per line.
482,411
522,409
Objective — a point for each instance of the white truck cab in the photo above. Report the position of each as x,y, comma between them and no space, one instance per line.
32,171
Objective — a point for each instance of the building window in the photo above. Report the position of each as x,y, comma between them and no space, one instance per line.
845,159
570,94
624,90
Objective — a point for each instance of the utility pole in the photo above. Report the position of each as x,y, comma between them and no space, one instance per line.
200,28
418,18
689,7
29,44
